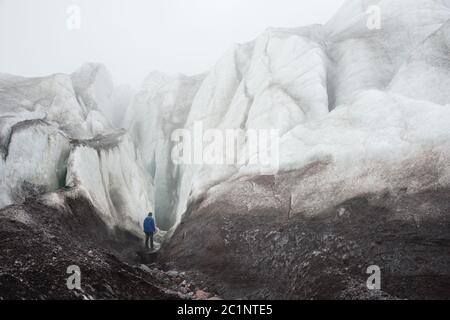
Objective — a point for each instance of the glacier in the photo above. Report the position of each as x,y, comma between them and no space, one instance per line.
296,79
310,83
109,171
159,108
59,132
363,117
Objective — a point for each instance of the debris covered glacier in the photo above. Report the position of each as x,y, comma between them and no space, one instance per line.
364,155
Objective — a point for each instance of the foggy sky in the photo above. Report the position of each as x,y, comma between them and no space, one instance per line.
134,37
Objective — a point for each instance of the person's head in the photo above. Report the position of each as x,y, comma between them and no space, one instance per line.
150,214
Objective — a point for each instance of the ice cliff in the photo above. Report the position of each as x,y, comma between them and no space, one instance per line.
371,106
159,108
362,115
370,103
62,131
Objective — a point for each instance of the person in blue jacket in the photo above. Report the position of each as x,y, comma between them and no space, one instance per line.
149,229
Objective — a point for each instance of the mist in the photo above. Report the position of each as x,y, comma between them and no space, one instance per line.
135,37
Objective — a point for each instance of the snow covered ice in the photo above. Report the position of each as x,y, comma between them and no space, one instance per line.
159,108
360,111
56,132
306,82
110,172
362,100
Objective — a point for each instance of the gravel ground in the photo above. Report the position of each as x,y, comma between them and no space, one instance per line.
39,242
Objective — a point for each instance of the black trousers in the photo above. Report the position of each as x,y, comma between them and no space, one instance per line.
148,236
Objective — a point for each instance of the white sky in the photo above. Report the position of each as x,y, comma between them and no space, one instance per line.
134,37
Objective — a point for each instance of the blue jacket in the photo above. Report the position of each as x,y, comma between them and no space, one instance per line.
149,225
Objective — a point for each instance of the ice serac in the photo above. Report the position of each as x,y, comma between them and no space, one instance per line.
430,60
290,78
49,98
96,92
161,107
367,58
37,117
380,143
79,105
50,126
363,118
108,170
122,97
275,82
34,162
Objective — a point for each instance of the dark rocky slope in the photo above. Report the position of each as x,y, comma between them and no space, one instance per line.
39,240
270,252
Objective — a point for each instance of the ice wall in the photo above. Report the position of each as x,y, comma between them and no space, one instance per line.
60,131
364,102
110,172
161,107
34,162
306,79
